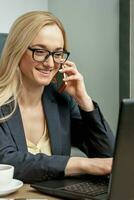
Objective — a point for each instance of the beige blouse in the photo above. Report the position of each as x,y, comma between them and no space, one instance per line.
43,145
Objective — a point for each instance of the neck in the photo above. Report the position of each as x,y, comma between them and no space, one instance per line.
30,97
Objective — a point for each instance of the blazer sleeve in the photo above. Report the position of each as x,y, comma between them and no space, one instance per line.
28,167
91,132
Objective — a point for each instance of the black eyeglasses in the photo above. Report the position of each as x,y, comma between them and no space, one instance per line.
41,55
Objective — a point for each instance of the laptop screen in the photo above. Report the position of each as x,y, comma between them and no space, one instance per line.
122,182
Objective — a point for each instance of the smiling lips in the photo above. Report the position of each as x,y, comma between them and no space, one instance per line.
44,71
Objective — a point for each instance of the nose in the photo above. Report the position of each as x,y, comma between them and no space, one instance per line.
50,61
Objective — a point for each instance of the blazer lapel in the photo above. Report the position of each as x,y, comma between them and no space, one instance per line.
16,127
53,121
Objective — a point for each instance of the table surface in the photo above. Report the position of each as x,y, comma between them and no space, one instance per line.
27,192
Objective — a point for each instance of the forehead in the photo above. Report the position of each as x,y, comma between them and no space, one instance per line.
49,36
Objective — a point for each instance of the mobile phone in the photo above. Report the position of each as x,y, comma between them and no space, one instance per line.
60,83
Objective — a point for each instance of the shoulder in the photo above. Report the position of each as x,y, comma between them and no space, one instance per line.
7,109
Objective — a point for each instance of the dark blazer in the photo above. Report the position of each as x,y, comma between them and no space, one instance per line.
68,125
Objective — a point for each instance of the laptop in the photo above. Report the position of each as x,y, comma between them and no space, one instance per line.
119,185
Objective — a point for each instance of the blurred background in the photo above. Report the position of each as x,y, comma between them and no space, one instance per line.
92,27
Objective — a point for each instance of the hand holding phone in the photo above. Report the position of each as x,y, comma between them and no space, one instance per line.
60,83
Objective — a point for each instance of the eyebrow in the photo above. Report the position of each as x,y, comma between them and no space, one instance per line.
44,47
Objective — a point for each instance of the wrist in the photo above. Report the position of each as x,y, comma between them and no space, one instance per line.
85,103
74,166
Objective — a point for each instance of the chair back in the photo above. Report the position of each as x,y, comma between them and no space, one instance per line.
3,37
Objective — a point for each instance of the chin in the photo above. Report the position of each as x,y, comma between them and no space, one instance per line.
44,83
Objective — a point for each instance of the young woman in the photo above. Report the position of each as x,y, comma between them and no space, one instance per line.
39,124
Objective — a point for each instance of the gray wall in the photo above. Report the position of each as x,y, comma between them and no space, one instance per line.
93,31
11,9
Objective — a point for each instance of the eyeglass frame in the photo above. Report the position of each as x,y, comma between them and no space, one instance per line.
49,54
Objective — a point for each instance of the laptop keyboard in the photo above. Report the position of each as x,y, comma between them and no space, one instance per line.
95,187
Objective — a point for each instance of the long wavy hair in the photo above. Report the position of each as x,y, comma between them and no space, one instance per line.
21,34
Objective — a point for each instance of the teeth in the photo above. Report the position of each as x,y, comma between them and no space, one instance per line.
45,70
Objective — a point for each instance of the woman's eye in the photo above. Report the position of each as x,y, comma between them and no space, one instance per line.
40,52
59,54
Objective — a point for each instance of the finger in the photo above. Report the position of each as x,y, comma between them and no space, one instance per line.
72,78
69,70
69,64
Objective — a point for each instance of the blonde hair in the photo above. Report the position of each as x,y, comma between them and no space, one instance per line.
21,34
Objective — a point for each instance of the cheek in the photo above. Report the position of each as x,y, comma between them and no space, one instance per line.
56,68
25,64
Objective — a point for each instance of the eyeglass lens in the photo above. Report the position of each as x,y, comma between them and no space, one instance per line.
59,57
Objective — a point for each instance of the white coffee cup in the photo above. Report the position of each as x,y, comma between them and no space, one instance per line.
6,174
